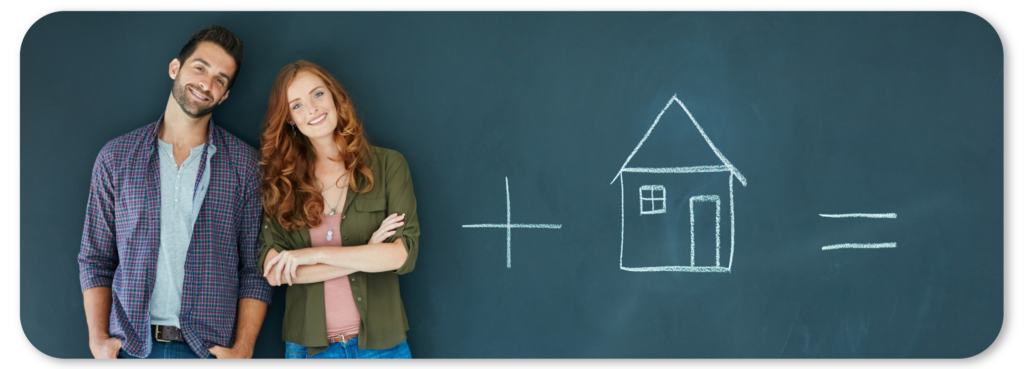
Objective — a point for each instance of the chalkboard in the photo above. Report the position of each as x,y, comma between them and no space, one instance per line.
598,185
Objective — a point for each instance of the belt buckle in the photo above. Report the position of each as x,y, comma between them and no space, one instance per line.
156,335
343,339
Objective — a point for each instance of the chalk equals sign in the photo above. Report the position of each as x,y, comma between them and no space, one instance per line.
885,245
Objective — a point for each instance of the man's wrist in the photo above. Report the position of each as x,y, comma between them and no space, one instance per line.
98,337
243,349
244,345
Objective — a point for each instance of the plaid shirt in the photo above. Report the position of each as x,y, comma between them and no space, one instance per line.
121,239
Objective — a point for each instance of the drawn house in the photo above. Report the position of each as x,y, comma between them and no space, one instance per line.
678,213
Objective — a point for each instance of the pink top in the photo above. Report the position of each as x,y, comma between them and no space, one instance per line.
342,315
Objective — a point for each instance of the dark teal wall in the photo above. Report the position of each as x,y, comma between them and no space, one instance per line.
821,112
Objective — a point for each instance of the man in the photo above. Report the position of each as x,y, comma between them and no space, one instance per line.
169,248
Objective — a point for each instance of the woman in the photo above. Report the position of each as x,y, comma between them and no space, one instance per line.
340,222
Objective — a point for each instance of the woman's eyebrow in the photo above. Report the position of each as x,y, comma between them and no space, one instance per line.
310,91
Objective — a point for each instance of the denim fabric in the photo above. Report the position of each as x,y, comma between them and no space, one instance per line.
377,295
121,238
165,350
348,350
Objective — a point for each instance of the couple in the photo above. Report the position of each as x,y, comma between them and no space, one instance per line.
186,228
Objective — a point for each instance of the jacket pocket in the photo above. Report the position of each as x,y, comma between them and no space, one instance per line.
371,204
366,219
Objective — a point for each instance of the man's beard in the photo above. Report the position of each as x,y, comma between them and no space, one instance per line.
181,93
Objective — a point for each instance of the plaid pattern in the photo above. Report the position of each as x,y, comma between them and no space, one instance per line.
121,239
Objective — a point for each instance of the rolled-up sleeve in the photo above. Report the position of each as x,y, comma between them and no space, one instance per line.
270,239
402,200
253,285
97,257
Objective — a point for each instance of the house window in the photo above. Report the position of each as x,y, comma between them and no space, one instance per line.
652,199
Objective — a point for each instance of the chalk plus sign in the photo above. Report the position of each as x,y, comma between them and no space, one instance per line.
508,225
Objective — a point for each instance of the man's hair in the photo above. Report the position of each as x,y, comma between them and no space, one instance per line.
221,37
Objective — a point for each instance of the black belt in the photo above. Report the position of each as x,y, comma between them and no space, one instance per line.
166,333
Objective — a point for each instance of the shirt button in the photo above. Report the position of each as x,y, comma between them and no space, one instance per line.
353,279
175,200
359,299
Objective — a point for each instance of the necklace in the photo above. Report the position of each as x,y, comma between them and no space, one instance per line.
330,233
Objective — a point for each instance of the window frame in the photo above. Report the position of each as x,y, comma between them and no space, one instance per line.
653,199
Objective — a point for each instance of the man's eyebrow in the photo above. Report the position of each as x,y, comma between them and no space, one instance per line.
222,74
310,91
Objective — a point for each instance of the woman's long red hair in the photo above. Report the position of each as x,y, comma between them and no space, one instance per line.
287,157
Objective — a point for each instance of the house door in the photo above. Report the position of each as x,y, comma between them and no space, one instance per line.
705,231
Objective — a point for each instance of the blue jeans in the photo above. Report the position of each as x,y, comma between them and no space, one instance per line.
165,350
348,350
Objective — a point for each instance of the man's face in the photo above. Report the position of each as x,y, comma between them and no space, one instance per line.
201,82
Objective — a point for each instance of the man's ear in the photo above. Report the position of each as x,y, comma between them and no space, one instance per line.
174,68
225,97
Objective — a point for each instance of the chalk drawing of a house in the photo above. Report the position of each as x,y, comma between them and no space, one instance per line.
672,217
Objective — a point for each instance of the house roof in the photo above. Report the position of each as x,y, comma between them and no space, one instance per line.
726,165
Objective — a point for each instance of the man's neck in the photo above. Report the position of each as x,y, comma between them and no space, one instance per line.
180,130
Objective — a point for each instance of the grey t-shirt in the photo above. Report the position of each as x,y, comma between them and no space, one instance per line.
177,186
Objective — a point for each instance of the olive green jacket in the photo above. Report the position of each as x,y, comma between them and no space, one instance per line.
384,325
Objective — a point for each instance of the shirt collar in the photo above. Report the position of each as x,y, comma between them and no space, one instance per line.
209,134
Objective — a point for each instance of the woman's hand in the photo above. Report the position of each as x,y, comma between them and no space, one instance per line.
387,228
283,267
287,262
266,263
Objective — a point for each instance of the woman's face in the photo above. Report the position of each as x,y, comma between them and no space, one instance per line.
311,106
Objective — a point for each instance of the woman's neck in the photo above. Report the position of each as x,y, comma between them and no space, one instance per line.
328,158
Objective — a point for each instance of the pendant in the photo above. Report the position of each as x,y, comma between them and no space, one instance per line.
331,213
329,233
